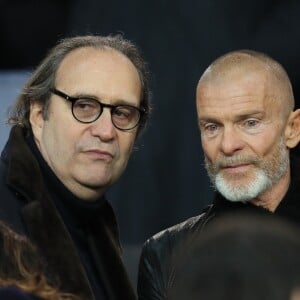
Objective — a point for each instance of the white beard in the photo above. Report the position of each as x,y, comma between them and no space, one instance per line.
245,192
266,175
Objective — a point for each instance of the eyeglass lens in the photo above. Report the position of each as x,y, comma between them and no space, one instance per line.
89,110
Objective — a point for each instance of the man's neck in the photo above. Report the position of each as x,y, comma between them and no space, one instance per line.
86,193
274,195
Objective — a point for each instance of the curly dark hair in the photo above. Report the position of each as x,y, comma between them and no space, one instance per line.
22,267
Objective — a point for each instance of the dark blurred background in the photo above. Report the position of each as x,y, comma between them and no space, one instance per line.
165,182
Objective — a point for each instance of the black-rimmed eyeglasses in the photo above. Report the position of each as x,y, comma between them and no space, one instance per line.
88,110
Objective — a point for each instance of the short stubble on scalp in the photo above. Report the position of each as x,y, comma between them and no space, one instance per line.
248,60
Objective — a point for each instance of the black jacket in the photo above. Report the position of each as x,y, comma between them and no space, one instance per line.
27,207
13,293
162,252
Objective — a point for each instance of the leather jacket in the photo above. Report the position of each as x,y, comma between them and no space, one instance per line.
161,253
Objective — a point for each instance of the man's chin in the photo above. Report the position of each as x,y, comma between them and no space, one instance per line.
237,190
97,183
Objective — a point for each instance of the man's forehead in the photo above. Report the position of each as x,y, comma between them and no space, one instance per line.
235,85
88,54
222,75
238,95
95,61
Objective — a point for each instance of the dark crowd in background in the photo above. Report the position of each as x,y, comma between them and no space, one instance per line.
165,181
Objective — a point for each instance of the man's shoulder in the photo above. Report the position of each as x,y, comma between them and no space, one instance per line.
176,235
161,253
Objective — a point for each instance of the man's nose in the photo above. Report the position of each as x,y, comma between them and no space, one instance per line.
103,126
231,141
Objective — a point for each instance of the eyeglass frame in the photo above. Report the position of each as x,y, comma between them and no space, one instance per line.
141,111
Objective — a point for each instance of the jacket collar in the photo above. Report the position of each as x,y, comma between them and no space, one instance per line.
289,207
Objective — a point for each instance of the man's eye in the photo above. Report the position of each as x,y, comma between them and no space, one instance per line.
251,123
124,112
252,126
210,129
121,113
85,104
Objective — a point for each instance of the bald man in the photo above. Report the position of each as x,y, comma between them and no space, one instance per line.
248,127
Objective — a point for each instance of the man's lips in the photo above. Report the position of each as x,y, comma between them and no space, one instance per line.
236,167
99,154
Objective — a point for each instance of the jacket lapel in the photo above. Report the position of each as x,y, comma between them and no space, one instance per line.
64,267
43,224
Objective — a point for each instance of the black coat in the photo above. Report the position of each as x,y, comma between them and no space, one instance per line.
13,293
27,207
162,252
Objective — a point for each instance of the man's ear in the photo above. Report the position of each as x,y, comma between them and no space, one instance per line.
36,118
292,131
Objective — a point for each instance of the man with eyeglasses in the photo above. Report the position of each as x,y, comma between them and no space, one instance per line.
74,127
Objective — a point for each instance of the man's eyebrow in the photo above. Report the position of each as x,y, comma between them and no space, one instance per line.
84,95
238,116
125,102
208,118
251,114
94,97
203,120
